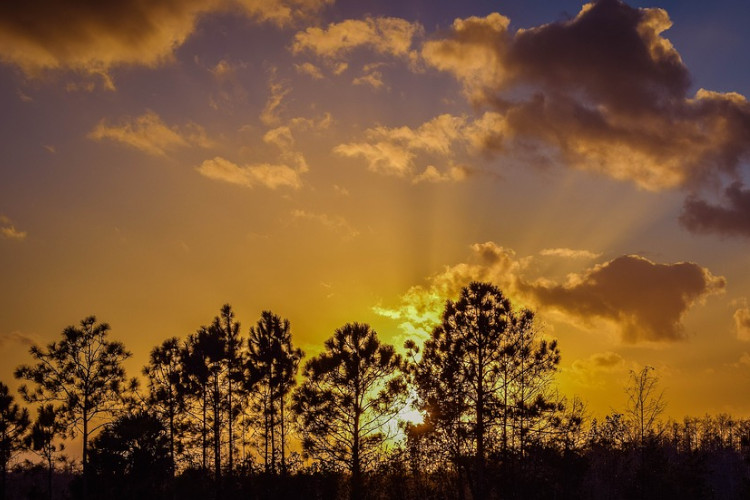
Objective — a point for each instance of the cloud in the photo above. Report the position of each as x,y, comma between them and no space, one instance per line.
420,308
589,370
19,338
474,52
742,322
151,135
334,223
567,253
396,151
277,92
8,230
262,174
93,37
374,79
309,69
645,299
604,92
733,219
384,35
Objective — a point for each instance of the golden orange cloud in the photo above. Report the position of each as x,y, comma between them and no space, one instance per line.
272,176
384,35
399,150
151,135
742,322
93,37
9,231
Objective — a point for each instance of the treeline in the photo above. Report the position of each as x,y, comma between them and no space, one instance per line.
227,414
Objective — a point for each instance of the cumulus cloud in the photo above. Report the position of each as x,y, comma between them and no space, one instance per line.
9,231
604,92
397,151
384,35
644,300
732,219
93,37
742,322
262,174
474,52
335,223
151,135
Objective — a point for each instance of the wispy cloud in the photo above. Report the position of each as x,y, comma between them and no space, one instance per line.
399,151
148,133
335,223
277,91
9,231
742,321
263,174
568,253
589,371
19,338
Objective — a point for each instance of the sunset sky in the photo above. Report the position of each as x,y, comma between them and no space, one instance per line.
360,160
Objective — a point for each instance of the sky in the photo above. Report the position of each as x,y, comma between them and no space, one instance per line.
342,160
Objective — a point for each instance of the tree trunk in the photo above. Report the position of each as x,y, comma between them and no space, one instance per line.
171,440
49,474
4,478
231,418
85,458
217,437
273,435
204,430
480,425
265,436
356,482
283,437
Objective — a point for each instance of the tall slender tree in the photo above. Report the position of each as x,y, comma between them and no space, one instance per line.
226,328
483,367
166,395
351,392
83,373
14,421
194,386
44,438
272,365
645,404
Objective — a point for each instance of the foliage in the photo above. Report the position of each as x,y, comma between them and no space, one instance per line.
13,423
272,364
82,373
351,392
